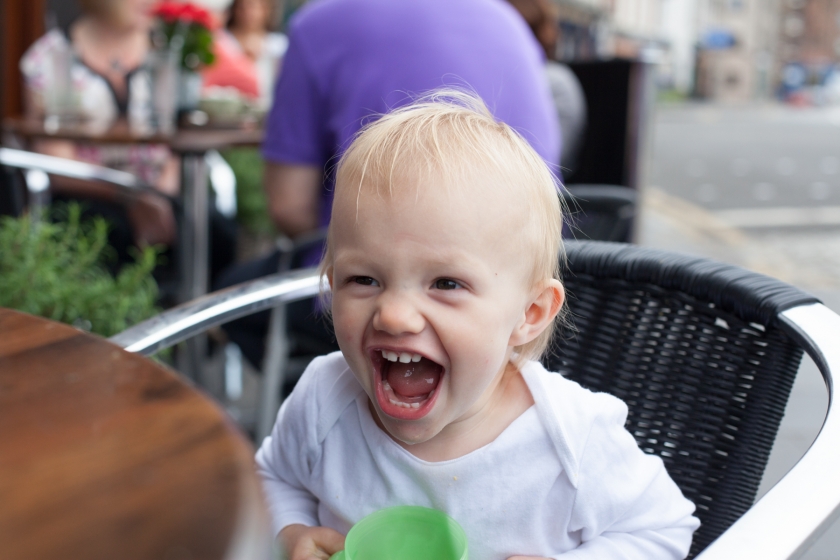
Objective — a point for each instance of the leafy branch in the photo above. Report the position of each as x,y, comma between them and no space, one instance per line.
55,270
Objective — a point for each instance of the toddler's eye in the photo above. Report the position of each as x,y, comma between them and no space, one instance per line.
446,284
364,281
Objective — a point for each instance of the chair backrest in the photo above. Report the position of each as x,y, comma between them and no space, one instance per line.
619,100
22,159
38,167
600,212
694,349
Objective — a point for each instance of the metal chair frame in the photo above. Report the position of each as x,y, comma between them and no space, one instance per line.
781,525
191,238
37,167
277,361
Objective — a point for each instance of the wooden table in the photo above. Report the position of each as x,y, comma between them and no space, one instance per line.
194,237
195,139
106,455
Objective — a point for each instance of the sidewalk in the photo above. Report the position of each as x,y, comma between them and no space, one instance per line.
808,259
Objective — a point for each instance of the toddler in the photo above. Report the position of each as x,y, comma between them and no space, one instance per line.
442,256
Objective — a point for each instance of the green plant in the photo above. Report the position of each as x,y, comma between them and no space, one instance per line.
56,270
251,205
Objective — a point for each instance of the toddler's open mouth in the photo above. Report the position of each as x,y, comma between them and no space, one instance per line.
406,383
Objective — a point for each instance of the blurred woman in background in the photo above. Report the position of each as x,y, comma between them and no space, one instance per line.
103,55
251,23
106,49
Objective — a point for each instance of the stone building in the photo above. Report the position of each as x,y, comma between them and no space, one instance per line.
810,31
581,28
724,50
608,28
737,49
809,49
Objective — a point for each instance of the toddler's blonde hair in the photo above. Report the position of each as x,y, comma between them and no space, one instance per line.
448,138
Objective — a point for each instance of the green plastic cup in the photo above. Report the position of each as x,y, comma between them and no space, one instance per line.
405,533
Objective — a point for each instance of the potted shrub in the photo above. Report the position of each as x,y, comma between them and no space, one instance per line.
55,270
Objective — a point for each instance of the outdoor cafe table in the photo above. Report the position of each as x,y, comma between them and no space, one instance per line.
105,454
191,145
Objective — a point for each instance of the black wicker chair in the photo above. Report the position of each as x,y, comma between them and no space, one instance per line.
695,350
703,353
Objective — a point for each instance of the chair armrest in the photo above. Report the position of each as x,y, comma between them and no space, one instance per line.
799,508
603,195
191,318
63,167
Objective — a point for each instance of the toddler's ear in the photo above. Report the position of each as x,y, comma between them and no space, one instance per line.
539,314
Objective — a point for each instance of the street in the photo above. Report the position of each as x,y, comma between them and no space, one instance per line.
757,186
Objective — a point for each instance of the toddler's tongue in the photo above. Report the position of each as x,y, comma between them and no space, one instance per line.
413,379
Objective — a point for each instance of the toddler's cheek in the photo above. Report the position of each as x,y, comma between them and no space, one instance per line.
344,324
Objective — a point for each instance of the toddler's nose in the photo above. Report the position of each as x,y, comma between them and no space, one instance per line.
396,315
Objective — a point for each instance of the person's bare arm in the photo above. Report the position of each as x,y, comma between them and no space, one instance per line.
310,543
293,193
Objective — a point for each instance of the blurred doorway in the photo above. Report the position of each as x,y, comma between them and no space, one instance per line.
21,23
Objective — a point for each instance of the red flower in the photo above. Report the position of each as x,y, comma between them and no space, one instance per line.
171,12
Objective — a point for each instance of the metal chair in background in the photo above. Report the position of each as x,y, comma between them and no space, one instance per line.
608,170
36,169
33,191
703,353
223,182
600,212
285,357
269,293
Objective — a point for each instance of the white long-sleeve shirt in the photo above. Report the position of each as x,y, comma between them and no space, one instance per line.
565,480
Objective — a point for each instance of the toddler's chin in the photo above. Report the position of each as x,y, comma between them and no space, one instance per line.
406,433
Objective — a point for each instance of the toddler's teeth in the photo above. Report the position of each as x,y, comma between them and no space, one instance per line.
387,386
405,357
416,357
385,354
402,404
415,405
430,380
390,356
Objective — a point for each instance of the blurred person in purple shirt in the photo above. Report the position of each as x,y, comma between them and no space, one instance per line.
350,60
